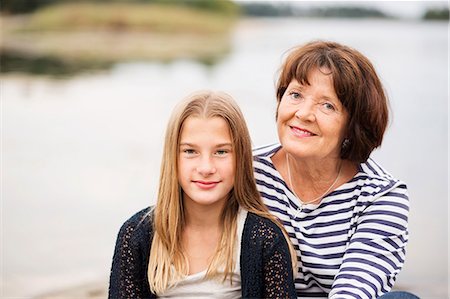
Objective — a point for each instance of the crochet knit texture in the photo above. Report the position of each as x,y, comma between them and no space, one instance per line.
266,270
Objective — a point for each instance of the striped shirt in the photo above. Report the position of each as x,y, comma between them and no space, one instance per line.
351,244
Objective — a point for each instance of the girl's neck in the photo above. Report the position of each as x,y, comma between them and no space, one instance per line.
201,234
202,217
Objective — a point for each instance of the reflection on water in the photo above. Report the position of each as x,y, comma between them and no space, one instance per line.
80,155
14,62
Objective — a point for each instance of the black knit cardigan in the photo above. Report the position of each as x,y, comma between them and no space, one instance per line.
265,260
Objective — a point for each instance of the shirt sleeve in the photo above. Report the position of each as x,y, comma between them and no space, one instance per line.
376,251
128,277
278,279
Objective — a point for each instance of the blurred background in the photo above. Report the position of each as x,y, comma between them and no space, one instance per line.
87,88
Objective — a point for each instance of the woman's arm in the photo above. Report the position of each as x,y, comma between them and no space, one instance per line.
376,252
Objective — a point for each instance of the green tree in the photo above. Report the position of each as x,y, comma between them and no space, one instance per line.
23,6
436,14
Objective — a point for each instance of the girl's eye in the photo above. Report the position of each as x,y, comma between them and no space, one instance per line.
221,152
189,151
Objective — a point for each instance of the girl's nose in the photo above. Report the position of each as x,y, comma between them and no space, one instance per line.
206,167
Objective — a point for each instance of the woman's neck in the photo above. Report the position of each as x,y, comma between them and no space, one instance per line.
313,171
312,178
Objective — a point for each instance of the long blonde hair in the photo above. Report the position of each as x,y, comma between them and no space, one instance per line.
167,263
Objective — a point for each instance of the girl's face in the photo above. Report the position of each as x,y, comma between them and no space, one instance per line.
206,162
311,119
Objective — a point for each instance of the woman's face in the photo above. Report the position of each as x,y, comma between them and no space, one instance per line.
311,119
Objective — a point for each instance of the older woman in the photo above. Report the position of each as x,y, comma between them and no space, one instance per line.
346,216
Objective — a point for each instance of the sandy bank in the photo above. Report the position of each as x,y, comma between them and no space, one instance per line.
94,290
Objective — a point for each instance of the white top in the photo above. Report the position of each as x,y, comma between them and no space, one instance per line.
196,286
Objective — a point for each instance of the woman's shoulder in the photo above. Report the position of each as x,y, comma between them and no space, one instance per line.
374,173
374,182
266,150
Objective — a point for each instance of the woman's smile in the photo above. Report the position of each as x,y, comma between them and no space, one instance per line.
301,132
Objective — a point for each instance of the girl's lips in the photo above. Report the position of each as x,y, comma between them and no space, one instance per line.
301,132
205,184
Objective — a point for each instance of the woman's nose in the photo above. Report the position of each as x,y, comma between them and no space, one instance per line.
305,111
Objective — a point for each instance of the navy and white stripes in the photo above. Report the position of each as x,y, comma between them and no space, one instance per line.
352,244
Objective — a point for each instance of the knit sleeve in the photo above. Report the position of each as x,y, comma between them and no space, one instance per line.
271,262
376,251
128,277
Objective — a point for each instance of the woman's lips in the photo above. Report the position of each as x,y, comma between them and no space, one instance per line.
206,184
301,132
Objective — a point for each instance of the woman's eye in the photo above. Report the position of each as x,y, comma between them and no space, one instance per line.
328,106
295,95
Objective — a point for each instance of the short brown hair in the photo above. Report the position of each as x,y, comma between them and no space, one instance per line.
356,84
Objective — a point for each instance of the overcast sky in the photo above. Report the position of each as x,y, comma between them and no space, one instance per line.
410,9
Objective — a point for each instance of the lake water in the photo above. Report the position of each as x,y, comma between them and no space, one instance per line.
82,154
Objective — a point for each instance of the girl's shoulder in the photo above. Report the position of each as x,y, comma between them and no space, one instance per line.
259,227
138,226
144,216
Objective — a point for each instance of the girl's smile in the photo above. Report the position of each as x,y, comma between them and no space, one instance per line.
206,184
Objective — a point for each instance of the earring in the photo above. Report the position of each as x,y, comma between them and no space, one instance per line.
345,143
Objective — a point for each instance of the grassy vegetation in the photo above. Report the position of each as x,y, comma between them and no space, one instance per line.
131,16
100,34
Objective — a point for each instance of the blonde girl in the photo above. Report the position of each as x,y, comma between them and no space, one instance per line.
209,235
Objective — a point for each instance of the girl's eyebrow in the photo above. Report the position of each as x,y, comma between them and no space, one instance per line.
217,145
223,144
